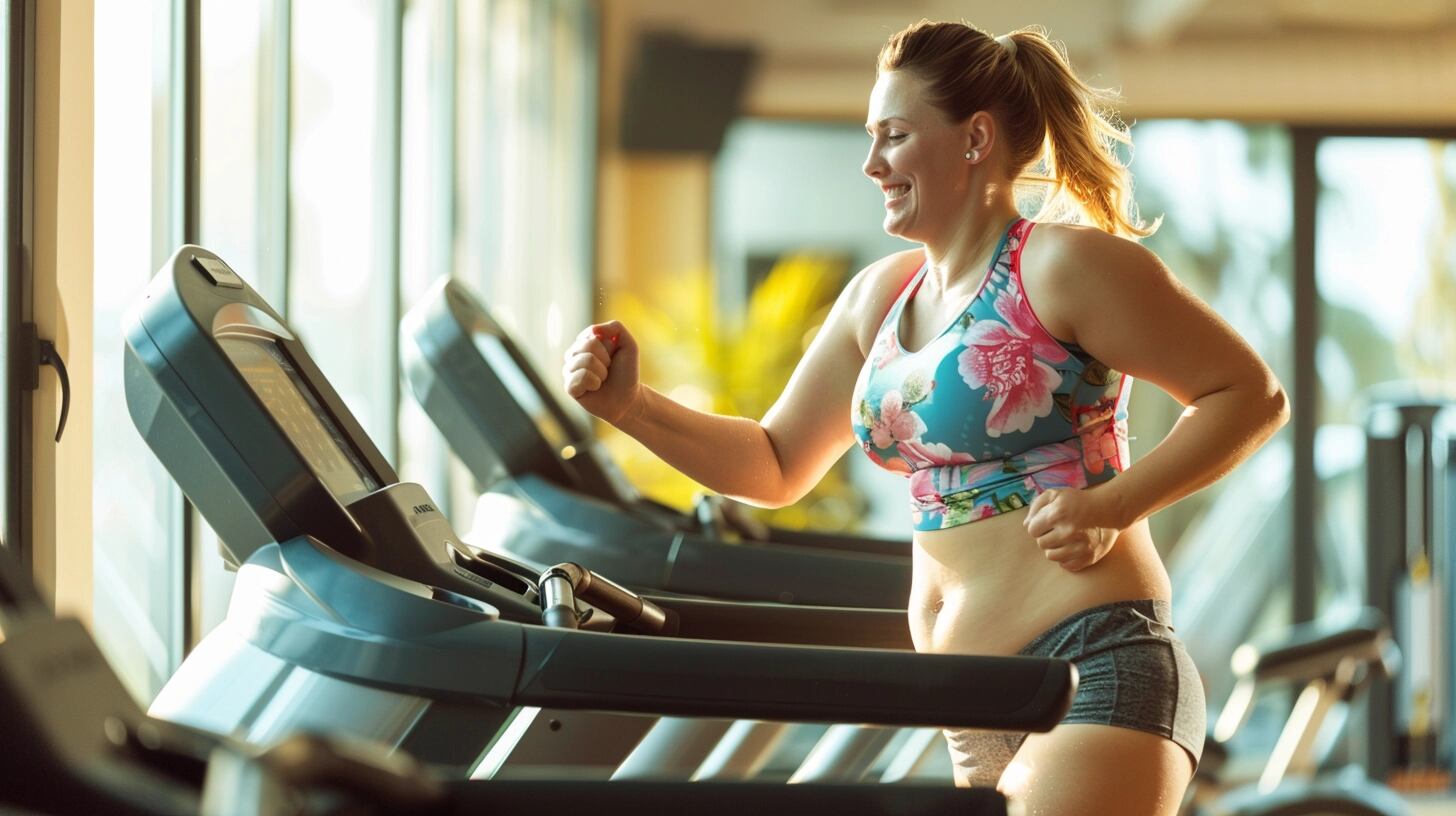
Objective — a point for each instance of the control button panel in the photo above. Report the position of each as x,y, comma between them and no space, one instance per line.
217,272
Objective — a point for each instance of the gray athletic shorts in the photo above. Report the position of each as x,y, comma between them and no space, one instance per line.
1132,671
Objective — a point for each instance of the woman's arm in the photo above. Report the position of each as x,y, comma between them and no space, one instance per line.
769,463
1119,302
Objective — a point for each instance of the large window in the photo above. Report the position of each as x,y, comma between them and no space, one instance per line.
1223,191
348,152
497,184
1385,269
137,509
342,201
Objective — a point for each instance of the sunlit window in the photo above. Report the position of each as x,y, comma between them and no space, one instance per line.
519,188
427,211
1384,261
1385,266
137,508
341,278
240,190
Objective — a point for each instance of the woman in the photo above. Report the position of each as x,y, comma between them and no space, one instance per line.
992,367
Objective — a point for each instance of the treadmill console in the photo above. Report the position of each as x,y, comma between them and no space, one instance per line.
462,365
233,405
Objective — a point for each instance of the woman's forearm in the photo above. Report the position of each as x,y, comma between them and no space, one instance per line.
1215,433
729,455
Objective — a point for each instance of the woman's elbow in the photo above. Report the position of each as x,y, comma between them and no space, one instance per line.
781,498
1278,406
787,492
769,496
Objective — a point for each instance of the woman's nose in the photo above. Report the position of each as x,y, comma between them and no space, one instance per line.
874,166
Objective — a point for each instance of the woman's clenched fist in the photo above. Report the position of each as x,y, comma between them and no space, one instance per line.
600,371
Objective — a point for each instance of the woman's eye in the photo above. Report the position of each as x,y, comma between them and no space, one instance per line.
895,137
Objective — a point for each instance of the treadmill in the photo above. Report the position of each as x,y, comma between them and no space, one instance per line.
358,611
75,741
554,494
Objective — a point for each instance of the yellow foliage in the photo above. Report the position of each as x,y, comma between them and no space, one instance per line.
732,364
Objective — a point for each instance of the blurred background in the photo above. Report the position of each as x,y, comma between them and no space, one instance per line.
693,168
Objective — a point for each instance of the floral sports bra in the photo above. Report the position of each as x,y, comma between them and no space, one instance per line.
994,410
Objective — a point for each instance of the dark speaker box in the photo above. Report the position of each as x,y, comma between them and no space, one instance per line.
681,95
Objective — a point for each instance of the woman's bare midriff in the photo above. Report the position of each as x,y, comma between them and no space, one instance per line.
986,587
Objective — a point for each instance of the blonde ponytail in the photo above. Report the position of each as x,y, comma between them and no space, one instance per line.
1083,170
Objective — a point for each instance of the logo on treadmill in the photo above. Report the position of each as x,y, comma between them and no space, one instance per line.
425,508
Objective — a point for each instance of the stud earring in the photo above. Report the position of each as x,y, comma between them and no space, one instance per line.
973,155
968,155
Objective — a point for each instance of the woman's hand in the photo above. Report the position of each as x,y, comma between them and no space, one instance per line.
600,371
1074,528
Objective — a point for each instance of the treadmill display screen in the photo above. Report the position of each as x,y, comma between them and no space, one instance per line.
509,371
293,406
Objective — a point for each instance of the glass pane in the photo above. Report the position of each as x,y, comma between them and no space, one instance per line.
238,116
238,108
1223,191
341,300
136,506
525,136
1385,265
426,211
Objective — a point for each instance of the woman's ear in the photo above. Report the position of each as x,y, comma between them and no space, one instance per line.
980,134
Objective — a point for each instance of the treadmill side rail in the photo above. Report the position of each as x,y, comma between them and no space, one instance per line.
575,669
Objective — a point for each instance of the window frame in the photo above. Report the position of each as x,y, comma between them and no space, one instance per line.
18,281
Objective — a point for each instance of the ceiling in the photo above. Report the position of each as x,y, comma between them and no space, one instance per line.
1347,61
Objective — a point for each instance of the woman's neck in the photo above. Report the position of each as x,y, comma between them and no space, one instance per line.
961,258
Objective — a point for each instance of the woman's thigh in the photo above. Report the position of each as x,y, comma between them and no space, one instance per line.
1093,770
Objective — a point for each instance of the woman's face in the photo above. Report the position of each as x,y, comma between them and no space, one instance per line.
916,158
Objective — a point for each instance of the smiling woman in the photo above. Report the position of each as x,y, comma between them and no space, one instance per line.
992,367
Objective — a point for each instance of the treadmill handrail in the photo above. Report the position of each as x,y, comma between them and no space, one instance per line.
743,621
566,668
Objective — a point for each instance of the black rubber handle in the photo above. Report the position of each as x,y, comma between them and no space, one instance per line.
700,678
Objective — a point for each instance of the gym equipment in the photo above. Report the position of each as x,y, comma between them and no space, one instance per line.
75,742
372,618
564,500
1410,574
554,494
1329,660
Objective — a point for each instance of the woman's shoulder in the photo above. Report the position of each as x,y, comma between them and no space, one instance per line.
1058,249
1067,270
877,285
868,296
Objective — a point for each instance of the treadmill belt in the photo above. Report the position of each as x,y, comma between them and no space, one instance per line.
718,798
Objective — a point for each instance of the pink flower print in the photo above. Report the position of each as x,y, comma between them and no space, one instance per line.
932,454
1098,432
1099,446
896,423
923,493
1048,467
1007,360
